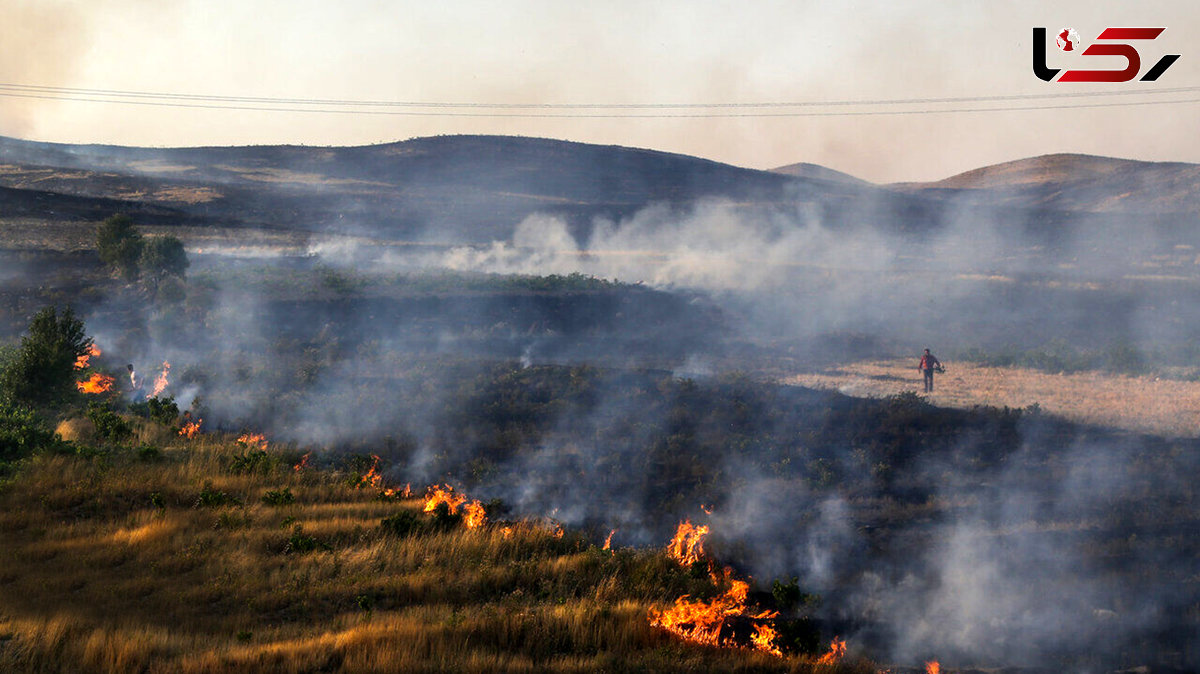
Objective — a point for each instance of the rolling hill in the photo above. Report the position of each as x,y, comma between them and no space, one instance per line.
1075,182
446,189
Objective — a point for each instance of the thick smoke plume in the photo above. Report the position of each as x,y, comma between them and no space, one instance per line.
1004,573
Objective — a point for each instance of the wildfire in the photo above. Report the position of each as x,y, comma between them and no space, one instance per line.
474,515
97,383
437,495
372,477
253,441
701,621
764,639
507,531
608,541
303,463
932,667
190,428
160,382
837,650
687,547
82,362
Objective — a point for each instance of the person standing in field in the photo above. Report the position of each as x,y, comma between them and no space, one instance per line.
929,363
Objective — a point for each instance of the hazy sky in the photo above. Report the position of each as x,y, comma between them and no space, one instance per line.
562,52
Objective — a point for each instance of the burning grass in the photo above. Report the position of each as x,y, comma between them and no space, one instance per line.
113,564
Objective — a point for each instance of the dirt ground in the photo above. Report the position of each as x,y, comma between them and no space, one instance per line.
1144,403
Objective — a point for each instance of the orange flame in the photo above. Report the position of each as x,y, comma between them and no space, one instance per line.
372,476
437,495
474,516
160,382
687,547
706,508
303,463
97,383
608,541
837,650
701,621
191,428
253,441
933,667
764,639
507,531
81,362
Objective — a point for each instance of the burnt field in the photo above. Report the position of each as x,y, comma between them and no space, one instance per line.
984,537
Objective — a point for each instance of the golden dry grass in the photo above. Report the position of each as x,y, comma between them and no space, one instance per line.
114,564
1142,404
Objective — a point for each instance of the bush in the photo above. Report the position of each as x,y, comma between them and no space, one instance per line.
300,542
110,426
120,246
256,461
42,372
22,432
162,256
162,410
279,497
402,524
213,498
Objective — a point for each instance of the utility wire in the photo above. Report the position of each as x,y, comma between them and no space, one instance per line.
575,110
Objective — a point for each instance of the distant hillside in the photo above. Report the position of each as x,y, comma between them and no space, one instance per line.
454,190
445,189
1075,182
818,172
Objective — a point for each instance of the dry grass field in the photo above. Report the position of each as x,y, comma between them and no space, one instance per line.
1142,404
194,560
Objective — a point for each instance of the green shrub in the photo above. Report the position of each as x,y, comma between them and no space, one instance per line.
120,246
255,461
162,410
162,256
300,542
22,432
213,498
149,453
279,497
110,426
404,523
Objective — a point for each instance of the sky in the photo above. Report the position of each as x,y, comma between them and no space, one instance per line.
568,55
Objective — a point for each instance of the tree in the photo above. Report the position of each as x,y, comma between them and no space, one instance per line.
43,371
120,245
163,256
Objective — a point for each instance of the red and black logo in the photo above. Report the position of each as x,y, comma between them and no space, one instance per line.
1113,45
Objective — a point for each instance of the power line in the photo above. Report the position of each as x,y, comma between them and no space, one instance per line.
575,110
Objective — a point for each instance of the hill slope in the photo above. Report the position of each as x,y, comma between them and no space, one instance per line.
1075,182
217,557
446,189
